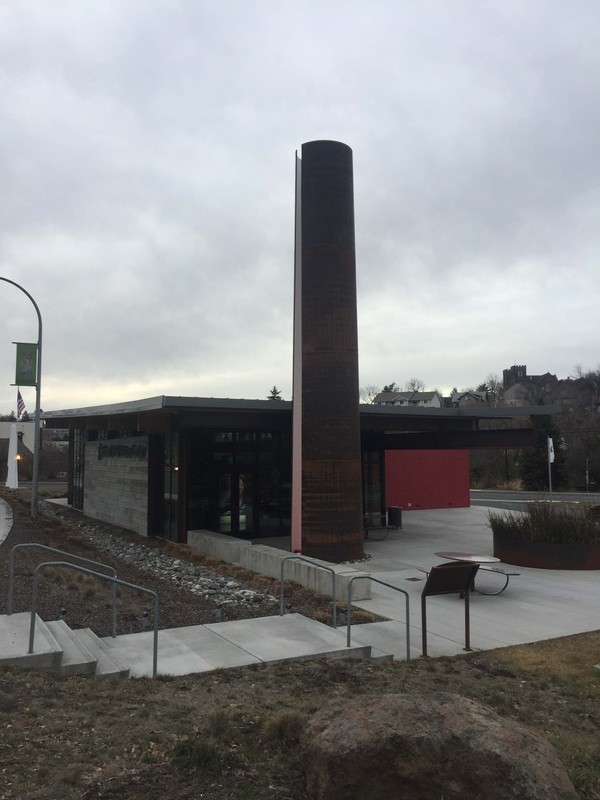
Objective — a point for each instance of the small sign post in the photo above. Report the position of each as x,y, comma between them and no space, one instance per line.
550,462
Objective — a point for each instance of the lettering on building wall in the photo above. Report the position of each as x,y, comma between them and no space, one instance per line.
122,451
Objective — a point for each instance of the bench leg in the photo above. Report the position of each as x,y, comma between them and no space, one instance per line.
467,623
424,626
506,580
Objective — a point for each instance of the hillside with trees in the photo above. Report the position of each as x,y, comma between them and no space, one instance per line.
575,429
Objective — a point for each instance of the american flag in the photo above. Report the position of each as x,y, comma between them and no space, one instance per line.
20,404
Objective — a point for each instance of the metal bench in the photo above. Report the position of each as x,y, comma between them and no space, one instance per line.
506,574
454,577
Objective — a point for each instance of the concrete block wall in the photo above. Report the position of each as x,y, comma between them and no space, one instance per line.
116,486
267,560
218,545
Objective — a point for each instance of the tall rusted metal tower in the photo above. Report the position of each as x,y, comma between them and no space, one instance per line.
327,492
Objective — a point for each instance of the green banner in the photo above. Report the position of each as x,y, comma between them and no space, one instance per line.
26,374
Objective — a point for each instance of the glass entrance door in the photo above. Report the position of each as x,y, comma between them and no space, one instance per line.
236,501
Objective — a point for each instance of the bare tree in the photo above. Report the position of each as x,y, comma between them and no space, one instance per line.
415,385
368,394
592,376
494,388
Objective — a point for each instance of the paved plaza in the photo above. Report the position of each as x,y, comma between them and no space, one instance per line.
537,604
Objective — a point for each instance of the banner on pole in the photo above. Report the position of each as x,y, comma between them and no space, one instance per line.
26,370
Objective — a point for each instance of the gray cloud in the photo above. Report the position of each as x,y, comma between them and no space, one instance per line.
146,187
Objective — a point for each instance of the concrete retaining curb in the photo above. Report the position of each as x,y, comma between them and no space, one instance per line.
267,560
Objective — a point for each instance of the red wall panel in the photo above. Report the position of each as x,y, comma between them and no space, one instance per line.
427,478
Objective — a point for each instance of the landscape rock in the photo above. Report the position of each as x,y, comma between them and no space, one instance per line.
427,747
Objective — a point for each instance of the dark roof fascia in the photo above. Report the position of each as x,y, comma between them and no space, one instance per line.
168,404
473,412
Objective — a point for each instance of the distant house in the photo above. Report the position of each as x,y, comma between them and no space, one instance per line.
25,431
408,398
468,399
517,395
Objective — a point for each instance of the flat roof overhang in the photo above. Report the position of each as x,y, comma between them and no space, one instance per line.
414,428
164,413
382,427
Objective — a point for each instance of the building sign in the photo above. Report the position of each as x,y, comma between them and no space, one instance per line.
26,370
122,451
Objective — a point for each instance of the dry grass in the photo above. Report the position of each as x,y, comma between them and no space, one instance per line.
234,734
569,659
544,522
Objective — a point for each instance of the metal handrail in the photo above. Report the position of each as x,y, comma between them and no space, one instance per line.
115,581
11,576
383,583
320,566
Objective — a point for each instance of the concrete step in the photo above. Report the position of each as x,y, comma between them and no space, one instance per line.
14,643
380,655
203,648
76,658
107,662
181,651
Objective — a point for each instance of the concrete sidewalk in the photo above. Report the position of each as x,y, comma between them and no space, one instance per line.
6,520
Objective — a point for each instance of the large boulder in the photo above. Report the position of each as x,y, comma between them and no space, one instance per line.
426,748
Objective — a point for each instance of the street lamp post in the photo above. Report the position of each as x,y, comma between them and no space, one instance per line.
38,392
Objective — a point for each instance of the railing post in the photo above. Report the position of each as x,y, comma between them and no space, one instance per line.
33,608
424,625
389,585
155,645
349,613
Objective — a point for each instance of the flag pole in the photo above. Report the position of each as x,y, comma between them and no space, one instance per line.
38,392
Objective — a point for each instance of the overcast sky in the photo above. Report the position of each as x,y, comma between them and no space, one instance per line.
147,188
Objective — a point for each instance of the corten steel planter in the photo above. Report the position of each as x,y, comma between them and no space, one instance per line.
546,555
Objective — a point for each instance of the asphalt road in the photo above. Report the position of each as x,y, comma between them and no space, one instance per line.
494,498
517,501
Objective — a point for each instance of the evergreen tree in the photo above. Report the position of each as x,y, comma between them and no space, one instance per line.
534,460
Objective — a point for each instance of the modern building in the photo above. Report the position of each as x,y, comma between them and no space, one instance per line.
315,469
167,465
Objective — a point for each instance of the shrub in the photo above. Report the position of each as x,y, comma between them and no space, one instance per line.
284,728
548,523
205,754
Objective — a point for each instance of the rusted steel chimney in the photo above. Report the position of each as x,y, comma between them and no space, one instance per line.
326,356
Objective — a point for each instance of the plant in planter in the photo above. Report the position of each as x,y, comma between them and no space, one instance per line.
548,537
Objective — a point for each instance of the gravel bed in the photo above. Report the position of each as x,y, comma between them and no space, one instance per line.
190,593
199,580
